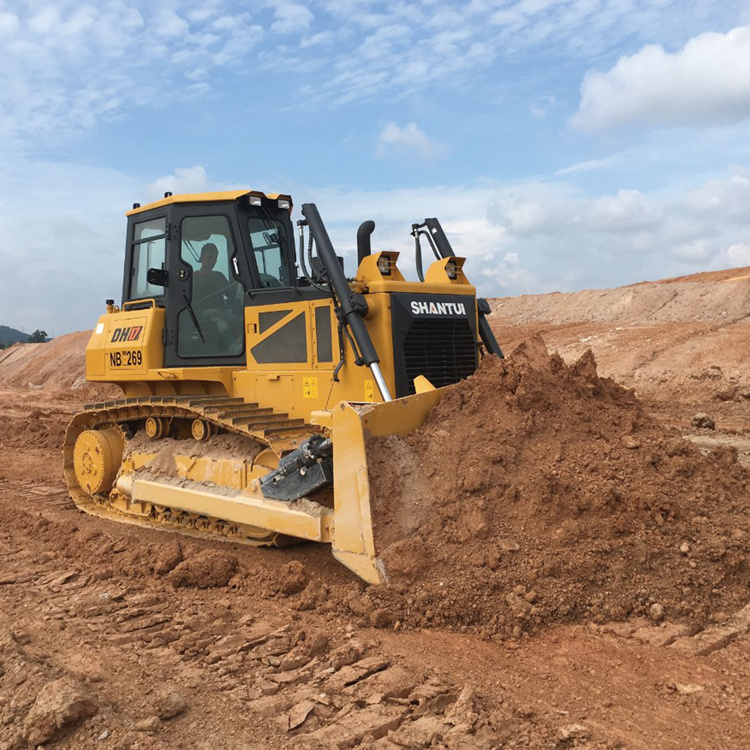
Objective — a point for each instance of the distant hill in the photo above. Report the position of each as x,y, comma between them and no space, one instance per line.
10,336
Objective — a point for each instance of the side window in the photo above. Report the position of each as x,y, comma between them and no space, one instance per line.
266,241
149,245
213,322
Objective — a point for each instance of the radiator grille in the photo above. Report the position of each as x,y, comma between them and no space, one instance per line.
441,349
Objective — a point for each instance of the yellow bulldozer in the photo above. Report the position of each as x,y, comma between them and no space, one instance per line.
253,370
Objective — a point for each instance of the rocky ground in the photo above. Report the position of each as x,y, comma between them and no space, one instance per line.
112,636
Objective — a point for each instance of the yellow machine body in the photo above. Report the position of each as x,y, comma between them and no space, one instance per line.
190,446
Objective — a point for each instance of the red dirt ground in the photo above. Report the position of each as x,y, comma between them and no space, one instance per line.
112,636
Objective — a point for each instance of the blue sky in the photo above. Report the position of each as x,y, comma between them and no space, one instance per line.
564,144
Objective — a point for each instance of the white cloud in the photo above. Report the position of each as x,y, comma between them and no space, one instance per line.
518,238
184,180
587,166
738,255
541,106
8,24
407,142
66,66
291,18
706,82
626,236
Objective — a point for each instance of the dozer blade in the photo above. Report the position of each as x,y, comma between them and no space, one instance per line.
222,495
353,533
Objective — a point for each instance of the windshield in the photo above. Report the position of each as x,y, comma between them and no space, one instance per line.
268,247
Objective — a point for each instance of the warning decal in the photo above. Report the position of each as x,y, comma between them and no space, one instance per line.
309,387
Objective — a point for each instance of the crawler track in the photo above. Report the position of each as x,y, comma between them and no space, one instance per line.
261,426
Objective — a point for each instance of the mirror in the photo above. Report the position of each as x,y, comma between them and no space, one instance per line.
157,277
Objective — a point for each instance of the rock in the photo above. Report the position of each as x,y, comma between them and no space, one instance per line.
290,662
59,704
21,637
630,442
463,711
266,687
150,724
298,714
356,672
14,743
360,605
656,612
715,637
345,655
169,704
295,578
703,421
205,570
688,689
381,618
685,548
372,722
664,635
574,732
318,644
426,731
508,545
103,736
168,557
393,683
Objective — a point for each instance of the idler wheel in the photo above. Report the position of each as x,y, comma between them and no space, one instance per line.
97,456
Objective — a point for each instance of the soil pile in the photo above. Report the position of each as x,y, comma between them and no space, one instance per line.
538,492
680,339
59,364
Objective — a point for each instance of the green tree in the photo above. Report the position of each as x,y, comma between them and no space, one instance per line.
38,337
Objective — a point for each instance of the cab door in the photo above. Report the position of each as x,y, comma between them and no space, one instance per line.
205,296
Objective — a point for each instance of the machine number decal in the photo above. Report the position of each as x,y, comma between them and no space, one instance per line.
369,390
309,387
126,358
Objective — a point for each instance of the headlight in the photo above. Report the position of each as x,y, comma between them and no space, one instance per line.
384,265
451,269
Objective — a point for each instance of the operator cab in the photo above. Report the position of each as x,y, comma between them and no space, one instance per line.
204,258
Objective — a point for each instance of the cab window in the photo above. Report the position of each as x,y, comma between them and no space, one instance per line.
149,246
266,240
213,322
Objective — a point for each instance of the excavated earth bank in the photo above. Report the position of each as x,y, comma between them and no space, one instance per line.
537,492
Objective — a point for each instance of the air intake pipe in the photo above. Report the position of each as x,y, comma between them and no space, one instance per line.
366,228
350,307
483,307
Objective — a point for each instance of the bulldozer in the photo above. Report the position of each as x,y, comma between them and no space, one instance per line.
253,372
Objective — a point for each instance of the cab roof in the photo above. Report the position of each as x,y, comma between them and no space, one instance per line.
226,195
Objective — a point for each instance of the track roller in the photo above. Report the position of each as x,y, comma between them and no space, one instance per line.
156,427
201,430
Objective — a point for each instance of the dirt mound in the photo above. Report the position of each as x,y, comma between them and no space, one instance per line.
42,429
538,492
57,365
723,298
683,338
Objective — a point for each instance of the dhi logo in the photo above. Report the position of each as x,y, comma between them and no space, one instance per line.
132,333
438,308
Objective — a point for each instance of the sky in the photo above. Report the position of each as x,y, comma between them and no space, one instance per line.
564,144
